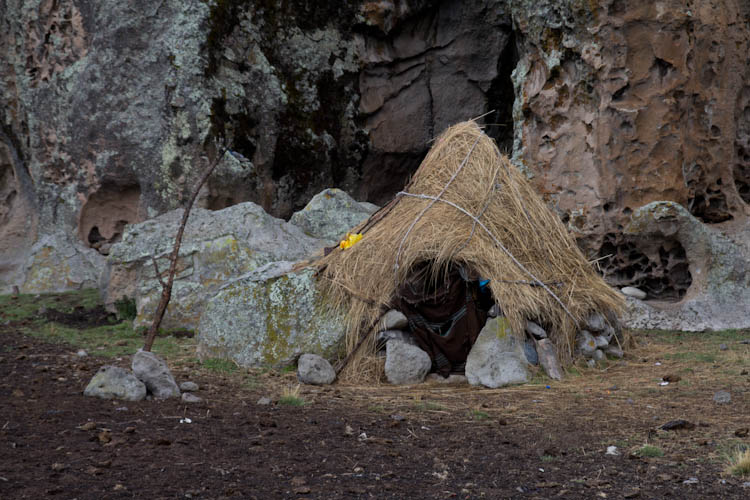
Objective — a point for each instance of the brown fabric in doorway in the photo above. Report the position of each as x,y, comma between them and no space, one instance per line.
444,316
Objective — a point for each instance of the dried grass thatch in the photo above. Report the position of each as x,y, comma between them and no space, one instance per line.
467,204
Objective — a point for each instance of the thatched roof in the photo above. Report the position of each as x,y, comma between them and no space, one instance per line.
468,204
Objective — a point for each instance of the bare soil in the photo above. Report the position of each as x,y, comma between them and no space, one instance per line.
430,441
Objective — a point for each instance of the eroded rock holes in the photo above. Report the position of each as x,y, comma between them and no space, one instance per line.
106,213
659,268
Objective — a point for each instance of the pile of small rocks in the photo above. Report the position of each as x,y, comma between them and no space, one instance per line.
150,376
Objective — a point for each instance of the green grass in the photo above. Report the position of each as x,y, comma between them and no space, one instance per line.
548,458
428,406
650,451
291,401
479,415
698,357
219,365
26,306
115,340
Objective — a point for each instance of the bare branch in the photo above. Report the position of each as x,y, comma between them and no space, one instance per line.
166,293
158,273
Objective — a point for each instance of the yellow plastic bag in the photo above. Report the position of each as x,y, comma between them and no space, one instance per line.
350,240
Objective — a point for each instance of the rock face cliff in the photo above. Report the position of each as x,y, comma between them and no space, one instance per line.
108,111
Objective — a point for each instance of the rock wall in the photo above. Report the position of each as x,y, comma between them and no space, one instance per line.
109,111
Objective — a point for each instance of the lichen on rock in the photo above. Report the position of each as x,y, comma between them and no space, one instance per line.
268,318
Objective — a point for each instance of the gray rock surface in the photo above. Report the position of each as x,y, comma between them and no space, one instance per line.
614,351
113,382
634,292
217,246
330,214
719,289
598,356
586,343
393,320
529,350
601,341
548,359
722,397
154,372
596,323
313,369
269,317
497,359
188,386
189,397
405,363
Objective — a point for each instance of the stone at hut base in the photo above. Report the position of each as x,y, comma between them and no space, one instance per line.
405,363
153,371
113,382
535,330
586,343
393,320
614,351
497,358
315,370
548,359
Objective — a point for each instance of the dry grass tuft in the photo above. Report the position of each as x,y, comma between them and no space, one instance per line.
465,169
739,463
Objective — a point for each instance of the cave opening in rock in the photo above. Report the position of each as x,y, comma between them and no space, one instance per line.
659,268
501,96
105,214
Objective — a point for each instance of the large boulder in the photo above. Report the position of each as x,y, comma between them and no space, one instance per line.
217,246
113,382
330,214
268,318
497,358
716,265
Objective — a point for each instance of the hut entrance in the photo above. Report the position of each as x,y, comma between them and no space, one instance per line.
446,311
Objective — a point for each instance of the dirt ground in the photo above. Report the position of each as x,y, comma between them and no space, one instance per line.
430,441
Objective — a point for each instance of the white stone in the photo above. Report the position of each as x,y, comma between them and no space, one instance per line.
634,292
534,329
405,363
586,343
497,358
189,397
113,382
393,320
314,369
153,371
188,386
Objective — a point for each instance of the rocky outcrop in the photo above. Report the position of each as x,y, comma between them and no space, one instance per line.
720,289
269,318
107,113
217,246
330,214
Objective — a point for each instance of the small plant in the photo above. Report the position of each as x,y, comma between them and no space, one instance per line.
290,396
739,462
126,309
479,414
429,405
650,451
220,365
548,458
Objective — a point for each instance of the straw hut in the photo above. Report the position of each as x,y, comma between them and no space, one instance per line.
466,210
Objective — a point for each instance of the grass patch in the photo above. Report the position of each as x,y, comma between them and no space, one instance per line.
26,305
478,414
548,458
291,397
428,406
739,462
650,451
219,365
688,356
